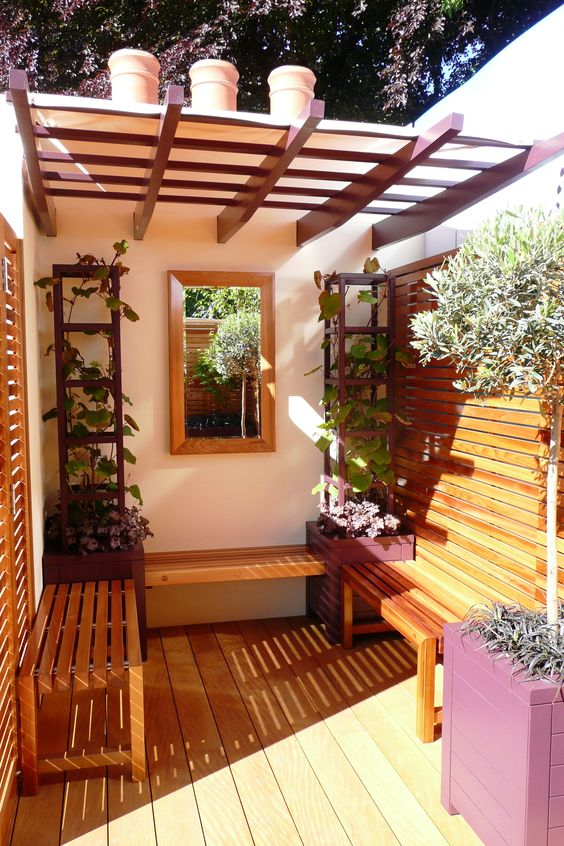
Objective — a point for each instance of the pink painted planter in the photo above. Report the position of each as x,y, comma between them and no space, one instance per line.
503,748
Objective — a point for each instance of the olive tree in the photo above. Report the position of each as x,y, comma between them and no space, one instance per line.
235,353
499,319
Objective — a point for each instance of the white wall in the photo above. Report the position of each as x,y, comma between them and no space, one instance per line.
209,501
517,96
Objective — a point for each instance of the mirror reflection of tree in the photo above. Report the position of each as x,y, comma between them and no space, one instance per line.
222,362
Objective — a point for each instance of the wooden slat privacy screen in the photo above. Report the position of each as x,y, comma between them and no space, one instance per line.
15,557
470,475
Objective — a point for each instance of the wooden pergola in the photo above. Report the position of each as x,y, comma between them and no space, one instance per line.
405,181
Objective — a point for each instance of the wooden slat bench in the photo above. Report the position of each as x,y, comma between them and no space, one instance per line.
85,635
227,565
406,605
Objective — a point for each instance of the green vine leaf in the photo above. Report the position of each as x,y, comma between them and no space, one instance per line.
129,419
324,442
128,456
129,314
135,493
329,305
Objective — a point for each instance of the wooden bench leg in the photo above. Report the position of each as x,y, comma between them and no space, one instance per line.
28,730
426,662
346,614
137,723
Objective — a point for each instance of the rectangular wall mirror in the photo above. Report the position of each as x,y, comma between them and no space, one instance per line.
221,343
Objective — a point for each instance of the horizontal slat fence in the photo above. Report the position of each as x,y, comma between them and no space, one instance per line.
198,335
470,474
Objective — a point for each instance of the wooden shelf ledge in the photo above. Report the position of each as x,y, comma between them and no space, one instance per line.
231,565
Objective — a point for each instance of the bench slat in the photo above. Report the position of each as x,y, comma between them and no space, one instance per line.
100,657
64,662
82,663
426,607
49,655
117,663
235,564
395,611
33,649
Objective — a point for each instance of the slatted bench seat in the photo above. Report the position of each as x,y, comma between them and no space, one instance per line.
85,635
227,565
406,605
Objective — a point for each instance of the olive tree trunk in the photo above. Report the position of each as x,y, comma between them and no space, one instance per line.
243,408
551,517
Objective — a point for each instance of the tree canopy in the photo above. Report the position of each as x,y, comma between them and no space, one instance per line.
374,59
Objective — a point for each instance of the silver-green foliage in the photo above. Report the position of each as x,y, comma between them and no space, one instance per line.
499,318
235,347
499,313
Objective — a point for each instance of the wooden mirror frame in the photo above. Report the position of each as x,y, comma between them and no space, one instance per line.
180,444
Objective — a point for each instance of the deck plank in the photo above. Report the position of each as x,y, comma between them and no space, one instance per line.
254,779
311,810
258,733
358,815
398,742
130,815
174,802
318,669
222,816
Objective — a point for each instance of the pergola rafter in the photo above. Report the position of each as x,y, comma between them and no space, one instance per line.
164,140
248,200
43,204
434,210
323,172
355,197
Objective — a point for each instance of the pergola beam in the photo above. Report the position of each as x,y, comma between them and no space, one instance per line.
44,208
355,197
257,188
158,160
434,210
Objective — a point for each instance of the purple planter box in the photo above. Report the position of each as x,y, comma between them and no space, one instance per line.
503,747
324,592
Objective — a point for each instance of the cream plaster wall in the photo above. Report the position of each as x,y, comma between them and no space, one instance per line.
203,501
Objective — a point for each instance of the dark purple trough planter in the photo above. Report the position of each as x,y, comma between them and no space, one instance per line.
324,592
503,748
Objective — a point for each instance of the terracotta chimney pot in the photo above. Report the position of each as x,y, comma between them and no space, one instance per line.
135,76
291,89
213,84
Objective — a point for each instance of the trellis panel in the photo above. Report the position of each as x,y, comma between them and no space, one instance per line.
470,474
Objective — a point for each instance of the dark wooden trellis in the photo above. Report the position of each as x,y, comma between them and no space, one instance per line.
60,564
374,282
66,440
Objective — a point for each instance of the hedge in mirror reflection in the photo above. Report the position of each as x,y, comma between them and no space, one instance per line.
499,319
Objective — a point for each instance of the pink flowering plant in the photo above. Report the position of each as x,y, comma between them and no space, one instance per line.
356,519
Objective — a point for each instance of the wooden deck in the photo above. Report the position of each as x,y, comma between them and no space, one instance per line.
258,733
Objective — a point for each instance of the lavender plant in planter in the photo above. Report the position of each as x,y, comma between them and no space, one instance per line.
499,319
